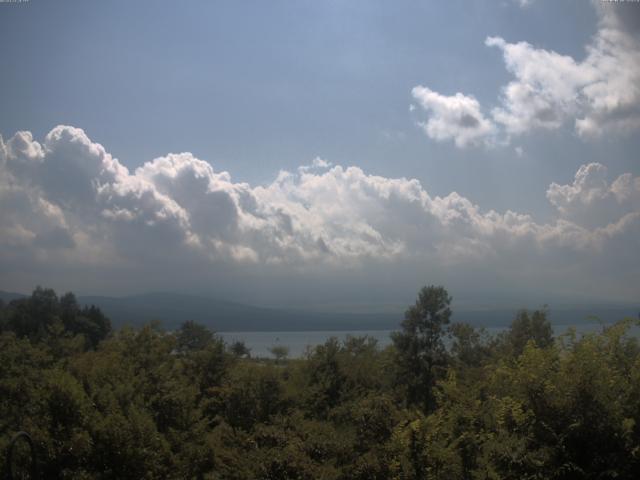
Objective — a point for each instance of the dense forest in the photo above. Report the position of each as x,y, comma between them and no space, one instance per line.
444,401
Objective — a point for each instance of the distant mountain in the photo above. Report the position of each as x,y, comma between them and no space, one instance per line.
560,317
221,315
6,297
173,309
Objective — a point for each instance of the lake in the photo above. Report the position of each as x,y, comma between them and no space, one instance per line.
261,342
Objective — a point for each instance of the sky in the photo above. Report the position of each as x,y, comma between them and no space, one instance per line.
322,153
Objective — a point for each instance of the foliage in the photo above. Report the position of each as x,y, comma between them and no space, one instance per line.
420,352
527,327
280,352
150,404
240,349
43,316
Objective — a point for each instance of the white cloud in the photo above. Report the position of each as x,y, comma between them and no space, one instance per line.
597,95
456,117
68,204
317,164
544,93
611,101
592,201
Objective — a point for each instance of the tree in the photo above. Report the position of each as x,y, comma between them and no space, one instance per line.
88,321
420,351
43,316
240,349
94,324
251,395
280,352
468,345
529,327
193,336
324,378
32,316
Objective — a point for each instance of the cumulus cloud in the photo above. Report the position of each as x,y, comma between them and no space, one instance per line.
317,164
592,201
544,92
598,94
456,117
611,101
67,203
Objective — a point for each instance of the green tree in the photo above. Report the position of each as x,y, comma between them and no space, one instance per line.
527,327
88,321
44,316
251,395
323,378
469,346
240,349
32,316
193,336
280,352
420,351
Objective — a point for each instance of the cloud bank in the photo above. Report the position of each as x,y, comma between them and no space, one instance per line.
597,95
70,211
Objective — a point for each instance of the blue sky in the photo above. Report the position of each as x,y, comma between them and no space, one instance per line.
254,88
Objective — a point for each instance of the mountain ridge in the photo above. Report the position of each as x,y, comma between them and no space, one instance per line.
172,309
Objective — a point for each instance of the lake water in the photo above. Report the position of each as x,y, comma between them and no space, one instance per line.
298,342
261,342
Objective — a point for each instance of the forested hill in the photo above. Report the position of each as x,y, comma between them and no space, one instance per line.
220,315
173,309
6,297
